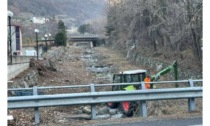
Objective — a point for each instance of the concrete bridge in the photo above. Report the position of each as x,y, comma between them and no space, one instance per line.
92,38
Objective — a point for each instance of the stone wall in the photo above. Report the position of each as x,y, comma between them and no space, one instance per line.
15,69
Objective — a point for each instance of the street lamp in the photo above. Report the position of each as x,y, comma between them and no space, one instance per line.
50,39
46,40
10,15
37,47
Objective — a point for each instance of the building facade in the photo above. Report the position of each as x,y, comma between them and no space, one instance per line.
16,40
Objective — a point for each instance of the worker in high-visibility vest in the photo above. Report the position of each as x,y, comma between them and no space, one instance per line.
147,79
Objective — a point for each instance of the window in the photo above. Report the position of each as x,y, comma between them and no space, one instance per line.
17,28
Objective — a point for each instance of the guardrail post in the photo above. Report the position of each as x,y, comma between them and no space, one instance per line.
36,109
191,101
93,106
143,109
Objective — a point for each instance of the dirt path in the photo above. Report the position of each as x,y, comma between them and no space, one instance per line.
82,65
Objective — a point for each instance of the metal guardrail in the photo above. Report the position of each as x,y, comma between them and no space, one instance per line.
92,98
101,97
102,85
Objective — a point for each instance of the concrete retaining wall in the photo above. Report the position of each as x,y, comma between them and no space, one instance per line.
21,59
30,77
15,69
20,63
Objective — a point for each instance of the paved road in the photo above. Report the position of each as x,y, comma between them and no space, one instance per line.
169,122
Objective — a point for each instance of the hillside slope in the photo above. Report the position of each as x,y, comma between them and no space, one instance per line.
77,9
158,29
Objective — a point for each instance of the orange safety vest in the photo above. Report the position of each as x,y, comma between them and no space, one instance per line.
147,79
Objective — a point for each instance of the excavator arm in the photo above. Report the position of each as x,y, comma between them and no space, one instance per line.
165,71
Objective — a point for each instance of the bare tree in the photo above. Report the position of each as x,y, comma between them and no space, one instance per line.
157,24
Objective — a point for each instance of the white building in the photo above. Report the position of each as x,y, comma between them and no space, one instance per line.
73,30
38,20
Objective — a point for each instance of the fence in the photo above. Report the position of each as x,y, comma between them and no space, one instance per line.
92,98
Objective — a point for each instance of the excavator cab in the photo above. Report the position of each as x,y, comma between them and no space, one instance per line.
129,77
126,77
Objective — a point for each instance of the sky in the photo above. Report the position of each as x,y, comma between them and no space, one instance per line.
3,59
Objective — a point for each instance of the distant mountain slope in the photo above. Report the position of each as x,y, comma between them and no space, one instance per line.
78,9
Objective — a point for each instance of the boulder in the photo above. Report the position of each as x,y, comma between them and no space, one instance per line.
86,109
112,111
103,110
106,116
117,116
25,84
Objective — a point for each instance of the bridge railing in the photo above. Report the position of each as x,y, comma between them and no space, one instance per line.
93,97
85,35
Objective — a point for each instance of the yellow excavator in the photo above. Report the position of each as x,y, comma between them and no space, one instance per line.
136,76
